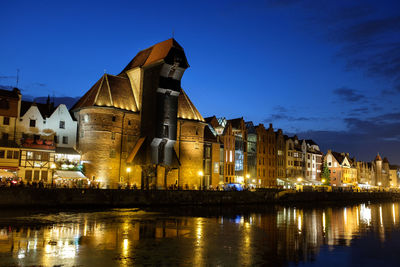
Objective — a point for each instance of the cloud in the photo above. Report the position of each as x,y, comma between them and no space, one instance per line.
348,95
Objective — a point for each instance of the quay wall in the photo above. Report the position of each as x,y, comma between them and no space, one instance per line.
92,198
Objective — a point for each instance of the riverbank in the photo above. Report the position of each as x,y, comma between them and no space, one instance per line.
92,198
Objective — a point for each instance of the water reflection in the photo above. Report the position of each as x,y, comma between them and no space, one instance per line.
276,236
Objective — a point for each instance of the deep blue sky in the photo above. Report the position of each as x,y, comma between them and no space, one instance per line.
327,70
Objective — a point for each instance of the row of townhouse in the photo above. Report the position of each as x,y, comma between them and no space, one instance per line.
37,140
262,157
347,171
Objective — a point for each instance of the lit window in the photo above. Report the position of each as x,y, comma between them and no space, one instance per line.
29,155
230,156
86,118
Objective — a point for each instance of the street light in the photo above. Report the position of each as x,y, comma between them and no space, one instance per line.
323,181
379,183
128,170
200,173
52,167
299,179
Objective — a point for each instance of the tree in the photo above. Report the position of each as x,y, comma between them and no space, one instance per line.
326,175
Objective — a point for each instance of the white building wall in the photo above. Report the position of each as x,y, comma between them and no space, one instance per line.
70,126
49,127
23,123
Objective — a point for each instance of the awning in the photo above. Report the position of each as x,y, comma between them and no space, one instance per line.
67,151
135,149
6,174
69,174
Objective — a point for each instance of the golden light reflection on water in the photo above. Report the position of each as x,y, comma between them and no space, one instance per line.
283,232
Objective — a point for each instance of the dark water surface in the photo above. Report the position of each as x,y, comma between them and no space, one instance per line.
354,235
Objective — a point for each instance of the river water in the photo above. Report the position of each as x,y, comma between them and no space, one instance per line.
352,235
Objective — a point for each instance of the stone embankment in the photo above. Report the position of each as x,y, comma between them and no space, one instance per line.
93,198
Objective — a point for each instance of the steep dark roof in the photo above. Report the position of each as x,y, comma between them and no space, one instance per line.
378,157
236,122
14,93
338,156
109,91
45,109
385,160
155,53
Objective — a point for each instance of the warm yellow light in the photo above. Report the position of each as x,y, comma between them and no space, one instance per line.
323,180
247,176
53,166
128,169
200,173
299,179
379,183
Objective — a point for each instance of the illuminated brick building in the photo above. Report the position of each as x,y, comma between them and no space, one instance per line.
139,127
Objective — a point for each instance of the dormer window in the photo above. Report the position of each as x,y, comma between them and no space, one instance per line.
32,123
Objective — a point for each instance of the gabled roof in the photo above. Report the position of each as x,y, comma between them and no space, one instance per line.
338,156
236,123
110,91
385,160
45,109
157,52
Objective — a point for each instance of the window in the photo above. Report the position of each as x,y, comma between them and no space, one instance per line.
56,139
86,118
165,130
32,123
44,176
329,164
112,153
29,155
16,154
9,154
2,153
6,121
62,124
28,175
129,122
113,118
5,136
65,139
112,136
36,175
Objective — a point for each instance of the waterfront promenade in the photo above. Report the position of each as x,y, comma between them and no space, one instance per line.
93,198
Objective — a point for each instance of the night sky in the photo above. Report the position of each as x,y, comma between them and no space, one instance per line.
326,70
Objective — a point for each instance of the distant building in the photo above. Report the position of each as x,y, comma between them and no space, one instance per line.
343,171
9,149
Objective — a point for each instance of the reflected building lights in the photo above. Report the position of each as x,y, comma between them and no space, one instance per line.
393,214
323,222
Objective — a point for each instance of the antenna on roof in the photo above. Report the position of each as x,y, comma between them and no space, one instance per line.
17,78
